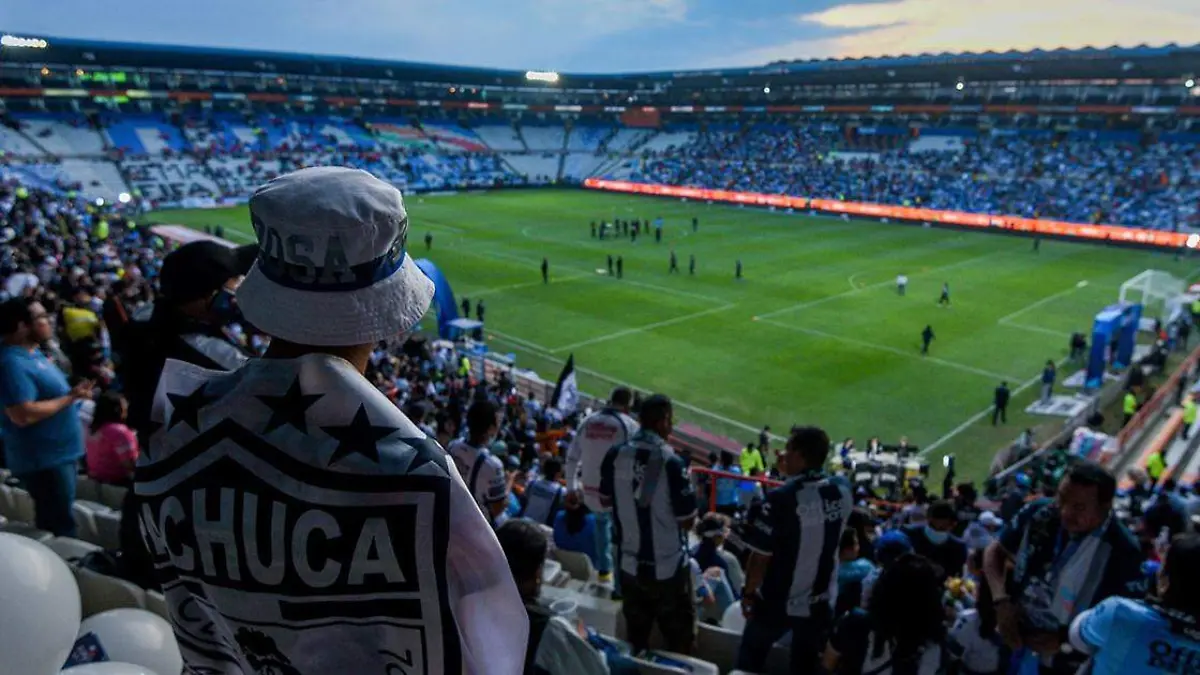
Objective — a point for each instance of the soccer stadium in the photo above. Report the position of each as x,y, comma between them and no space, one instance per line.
636,323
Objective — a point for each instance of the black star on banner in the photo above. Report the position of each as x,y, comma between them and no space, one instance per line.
186,408
360,437
425,451
289,408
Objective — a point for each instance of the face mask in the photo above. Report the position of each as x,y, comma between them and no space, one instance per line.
935,537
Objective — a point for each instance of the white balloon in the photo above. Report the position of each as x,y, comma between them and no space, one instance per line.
136,636
39,608
108,668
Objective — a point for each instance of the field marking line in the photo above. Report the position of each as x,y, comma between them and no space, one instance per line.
884,348
980,415
238,234
852,277
643,329
1039,303
881,284
1035,329
544,351
525,284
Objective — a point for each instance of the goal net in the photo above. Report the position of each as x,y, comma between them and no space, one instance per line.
1157,292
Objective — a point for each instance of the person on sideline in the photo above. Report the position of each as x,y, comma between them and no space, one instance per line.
43,437
653,505
596,435
295,515
794,536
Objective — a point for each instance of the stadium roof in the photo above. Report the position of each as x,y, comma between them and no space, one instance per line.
1141,62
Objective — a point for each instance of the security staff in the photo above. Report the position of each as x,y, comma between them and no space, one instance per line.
1129,406
1189,415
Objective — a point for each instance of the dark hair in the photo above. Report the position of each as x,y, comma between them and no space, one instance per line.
524,546
812,443
1183,589
942,510
108,410
13,313
906,605
726,458
481,417
967,491
849,539
655,409
1091,474
1169,485
621,396
551,467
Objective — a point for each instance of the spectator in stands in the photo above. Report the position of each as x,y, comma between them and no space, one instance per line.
728,489
709,553
901,632
645,484
575,528
482,471
791,576
1069,554
602,430
43,437
888,548
306,435
112,447
974,641
554,644
935,539
852,570
1133,636
1166,511
544,496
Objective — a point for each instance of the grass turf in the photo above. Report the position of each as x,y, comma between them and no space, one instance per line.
815,333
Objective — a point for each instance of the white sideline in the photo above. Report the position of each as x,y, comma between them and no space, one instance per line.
881,284
525,284
892,350
643,329
979,415
1036,304
533,346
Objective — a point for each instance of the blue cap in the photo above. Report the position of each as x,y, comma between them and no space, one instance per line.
1023,479
891,545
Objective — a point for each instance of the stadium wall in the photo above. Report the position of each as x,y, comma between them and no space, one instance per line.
1002,224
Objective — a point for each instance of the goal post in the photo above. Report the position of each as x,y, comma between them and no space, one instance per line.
1156,291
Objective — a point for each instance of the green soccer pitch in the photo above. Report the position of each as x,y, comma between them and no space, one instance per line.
815,333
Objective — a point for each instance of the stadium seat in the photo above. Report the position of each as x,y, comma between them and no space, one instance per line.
733,619
578,565
8,507
112,496
23,508
108,529
25,530
87,490
647,668
70,549
100,593
157,603
717,645
694,665
85,523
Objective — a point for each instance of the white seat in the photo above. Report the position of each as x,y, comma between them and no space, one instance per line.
8,506
112,496
577,564
24,509
718,645
94,507
100,593
28,530
71,549
87,489
694,665
647,668
733,619
108,530
85,523
157,603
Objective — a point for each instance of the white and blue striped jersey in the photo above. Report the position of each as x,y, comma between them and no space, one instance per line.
543,499
799,524
647,486
483,473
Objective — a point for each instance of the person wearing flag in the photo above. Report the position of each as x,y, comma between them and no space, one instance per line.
298,521
602,430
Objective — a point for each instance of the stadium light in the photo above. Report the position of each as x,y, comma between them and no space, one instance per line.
959,86
766,90
547,76
1190,82
124,197
22,42
1193,240
99,201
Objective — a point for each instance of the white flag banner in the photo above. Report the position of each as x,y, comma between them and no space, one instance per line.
301,524
566,390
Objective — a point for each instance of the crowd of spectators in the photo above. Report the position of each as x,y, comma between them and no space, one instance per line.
1152,185
94,306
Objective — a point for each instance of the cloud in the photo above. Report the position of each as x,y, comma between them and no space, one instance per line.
918,26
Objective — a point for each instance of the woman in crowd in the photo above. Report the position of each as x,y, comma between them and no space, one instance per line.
112,447
901,633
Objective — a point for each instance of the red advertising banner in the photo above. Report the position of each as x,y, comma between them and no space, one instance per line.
1115,233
